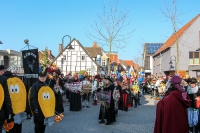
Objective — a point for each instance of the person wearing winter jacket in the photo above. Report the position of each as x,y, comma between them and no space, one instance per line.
17,90
5,103
193,111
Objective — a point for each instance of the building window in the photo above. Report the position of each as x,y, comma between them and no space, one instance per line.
194,58
65,57
103,62
88,71
83,57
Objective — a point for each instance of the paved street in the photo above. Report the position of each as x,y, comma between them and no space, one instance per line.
136,120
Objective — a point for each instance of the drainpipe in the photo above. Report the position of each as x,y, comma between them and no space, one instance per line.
160,63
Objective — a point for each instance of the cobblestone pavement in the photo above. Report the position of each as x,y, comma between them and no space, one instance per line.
136,120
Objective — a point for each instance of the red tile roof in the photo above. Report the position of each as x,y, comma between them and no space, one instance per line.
113,58
129,62
172,39
123,62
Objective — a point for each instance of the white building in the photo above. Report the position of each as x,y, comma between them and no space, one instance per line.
10,58
76,60
97,54
188,40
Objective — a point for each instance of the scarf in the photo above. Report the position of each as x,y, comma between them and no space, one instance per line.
192,90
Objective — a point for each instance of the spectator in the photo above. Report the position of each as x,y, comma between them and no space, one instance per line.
174,104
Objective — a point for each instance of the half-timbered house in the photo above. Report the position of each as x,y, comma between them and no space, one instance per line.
76,60
98,55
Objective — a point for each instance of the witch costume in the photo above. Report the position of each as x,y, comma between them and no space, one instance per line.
107,109
75,100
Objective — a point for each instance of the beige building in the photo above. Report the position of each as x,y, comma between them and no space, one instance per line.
11,59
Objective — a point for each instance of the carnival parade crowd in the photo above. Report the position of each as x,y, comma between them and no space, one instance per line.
177,99
43,101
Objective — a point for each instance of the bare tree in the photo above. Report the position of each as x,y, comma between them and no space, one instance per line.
171,13
109,28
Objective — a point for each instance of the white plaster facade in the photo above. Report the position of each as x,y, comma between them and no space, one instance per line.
76,60
188,41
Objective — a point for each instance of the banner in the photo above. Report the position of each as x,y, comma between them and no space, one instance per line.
74,86
30,63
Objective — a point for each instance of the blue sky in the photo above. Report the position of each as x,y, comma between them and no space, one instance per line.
45,22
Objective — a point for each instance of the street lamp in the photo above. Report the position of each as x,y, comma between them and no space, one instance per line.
69,46
172,58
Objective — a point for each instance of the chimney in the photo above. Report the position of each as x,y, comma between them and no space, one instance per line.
60,48
95,45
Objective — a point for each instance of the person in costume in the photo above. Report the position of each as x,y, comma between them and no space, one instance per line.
125,102
42,102
86,93
95,85
58,89
116,96
5,101
75,96
171,111
193,111
140,81
135,93
17,92
107,108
